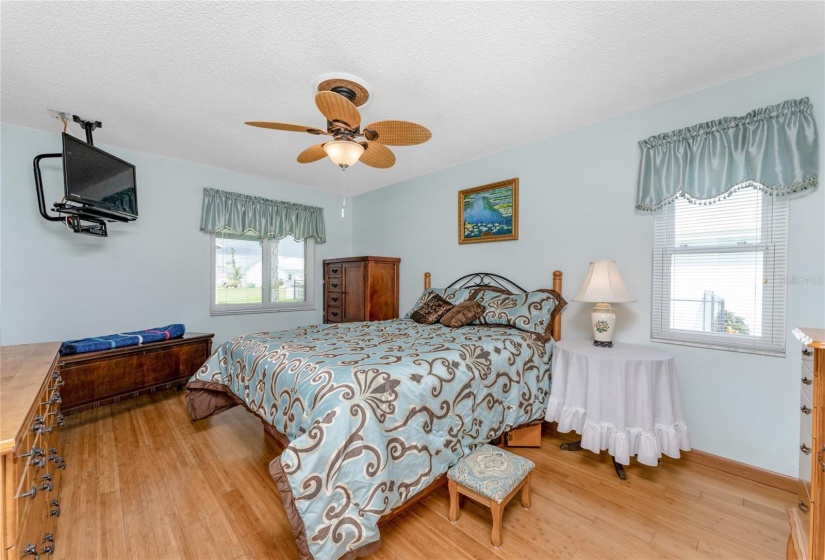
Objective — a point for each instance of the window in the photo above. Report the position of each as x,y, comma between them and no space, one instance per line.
252,275
719,273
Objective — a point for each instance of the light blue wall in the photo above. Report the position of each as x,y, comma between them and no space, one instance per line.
57,285
577,192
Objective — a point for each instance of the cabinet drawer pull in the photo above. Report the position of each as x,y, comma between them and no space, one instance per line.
56,511
333,313
47,486
34,453
803,507
30,494
333,298
807,381
31,550
805,409
334,270
56,398
805,449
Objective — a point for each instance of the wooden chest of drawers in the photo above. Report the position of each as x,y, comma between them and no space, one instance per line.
32,464
360,289
807,539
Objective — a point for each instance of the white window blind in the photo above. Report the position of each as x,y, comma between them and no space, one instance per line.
253,275
719,273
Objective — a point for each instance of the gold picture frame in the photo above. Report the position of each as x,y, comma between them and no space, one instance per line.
488,213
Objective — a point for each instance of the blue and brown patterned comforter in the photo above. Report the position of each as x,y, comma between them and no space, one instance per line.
373,412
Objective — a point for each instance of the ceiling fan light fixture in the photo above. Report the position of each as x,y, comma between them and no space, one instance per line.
343,153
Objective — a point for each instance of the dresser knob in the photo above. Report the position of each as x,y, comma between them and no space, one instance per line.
807,381
805,409
803,507
47,486
31,550
805,449
30,494
35,452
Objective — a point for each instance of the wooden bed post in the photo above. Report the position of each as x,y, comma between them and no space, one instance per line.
557,319
427,277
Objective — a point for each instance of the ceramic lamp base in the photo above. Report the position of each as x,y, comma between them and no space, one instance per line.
604,323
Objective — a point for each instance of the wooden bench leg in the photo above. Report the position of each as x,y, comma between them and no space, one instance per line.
498,510
525,493
455,509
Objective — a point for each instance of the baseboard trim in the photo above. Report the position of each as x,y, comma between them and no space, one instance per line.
762,476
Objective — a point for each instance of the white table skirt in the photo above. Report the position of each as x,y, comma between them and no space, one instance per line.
623,399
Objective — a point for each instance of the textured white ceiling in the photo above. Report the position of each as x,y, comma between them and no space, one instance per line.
179,79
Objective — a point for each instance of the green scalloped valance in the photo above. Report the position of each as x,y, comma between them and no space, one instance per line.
253,215
774,149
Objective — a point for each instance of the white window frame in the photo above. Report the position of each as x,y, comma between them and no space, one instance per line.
271,307
774,304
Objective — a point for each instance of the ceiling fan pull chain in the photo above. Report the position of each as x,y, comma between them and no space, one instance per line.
343,190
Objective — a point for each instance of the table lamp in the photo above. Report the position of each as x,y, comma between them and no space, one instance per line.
603,286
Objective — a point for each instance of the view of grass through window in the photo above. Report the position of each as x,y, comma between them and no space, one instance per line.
242,263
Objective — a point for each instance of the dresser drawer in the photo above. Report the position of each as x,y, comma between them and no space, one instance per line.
334,270
334,299
806,413
335,315
334,285
808,357
807,381
806,452
33,531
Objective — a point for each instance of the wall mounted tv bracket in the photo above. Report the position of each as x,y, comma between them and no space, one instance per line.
78,218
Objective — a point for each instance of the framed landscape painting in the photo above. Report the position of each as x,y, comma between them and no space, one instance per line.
488,212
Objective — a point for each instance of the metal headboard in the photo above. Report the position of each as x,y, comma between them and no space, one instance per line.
500,283
486,280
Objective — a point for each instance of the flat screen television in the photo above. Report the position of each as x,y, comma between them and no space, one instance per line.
104,183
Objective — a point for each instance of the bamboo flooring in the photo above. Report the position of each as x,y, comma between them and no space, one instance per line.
144,483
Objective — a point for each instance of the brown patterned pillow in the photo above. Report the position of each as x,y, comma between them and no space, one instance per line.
463,314
430,310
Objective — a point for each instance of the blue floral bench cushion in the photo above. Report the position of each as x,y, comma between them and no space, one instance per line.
490,471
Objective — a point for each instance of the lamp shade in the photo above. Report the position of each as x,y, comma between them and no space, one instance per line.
603,284
343,152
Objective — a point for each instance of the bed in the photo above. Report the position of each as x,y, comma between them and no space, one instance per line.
371,415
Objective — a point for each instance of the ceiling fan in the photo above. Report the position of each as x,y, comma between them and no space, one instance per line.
338,100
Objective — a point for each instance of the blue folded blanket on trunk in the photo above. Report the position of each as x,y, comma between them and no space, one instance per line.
96,343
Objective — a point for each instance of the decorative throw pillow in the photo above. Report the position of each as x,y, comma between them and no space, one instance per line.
431,310
531,312
454,296
462,314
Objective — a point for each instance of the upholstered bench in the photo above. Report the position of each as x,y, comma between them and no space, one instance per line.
491,476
